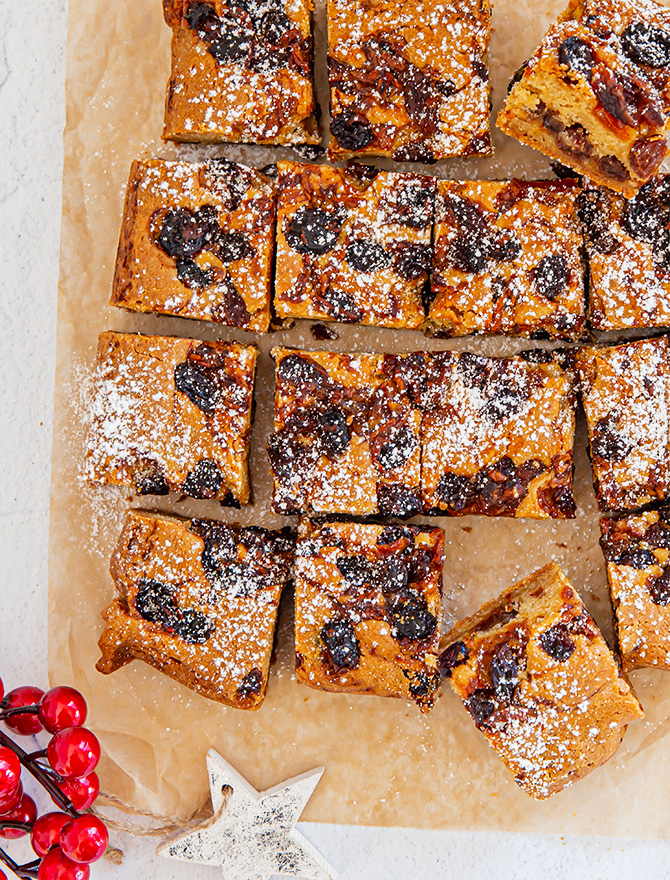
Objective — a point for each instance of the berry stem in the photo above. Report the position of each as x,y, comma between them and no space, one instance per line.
33,756
15,826
28,871
41,775
20,710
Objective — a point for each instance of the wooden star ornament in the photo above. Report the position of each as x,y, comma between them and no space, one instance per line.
252,834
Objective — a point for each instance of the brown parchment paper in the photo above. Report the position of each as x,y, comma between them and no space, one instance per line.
385,764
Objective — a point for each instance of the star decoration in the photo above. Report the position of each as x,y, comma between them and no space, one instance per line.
252,834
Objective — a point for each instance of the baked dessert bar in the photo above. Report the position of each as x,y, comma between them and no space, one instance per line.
197,600
172,415
595,95
625,397
637,550
197,241
628,242
508,259
353,245
241,72
346,437
497,434
540,682
368,608
409,81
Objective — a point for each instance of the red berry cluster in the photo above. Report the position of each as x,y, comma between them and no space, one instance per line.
65,841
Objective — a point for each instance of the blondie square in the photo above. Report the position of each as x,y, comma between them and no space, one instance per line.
368,608
625,395
346,436
197,241
198,600
508,259
409,81
595,94
541,683
241,72
628,243
637,550
351,247
172,415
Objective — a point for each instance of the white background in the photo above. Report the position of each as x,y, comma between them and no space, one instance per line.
32,71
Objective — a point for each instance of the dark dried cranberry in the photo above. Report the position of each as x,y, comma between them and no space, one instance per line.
613,92
468,252
361,172
299,370
394,535
356,570
505,403
396,499
234,578
234,40
421,685
193,626
410,616
467,214
518,76
230,307
251,684
229,180
641,218
659,587
154,601
504,672
577,55
454,655
646,43
499,617
574,140
421,564
646,155
658,535
594,212
472,367
413,206
607,443
233,246
149,479
552,276
537,355
274,25
456,492
314,231
321,332
342,648
552,122
193,381
505,250
341,306
334,432
191,275
391,575
612,167
480,705
352,131
636,557
397,448
411,261
367,256
202,17
204,481
556,642
414,153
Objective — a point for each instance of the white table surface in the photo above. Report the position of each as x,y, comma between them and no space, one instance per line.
32,72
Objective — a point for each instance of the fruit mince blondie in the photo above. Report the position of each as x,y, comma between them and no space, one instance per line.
409,81
595,95
637,550
628,243
172,415
353,245
197,241
508,259
540,683
198,600
625,396
241,72
368,608
346,436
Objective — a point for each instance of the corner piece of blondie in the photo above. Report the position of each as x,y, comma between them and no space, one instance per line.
540,683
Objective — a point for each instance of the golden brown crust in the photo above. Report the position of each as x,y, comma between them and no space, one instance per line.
351,248
172,415
596,93
197,242
368,609
540,682
508,259
625,391
239,76
409,82
197,600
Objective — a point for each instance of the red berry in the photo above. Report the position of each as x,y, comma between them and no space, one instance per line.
11,801
3,876
27,724
10,771
74,752
26,812
56,866
62,707
2,689
82,792
46,832
84,839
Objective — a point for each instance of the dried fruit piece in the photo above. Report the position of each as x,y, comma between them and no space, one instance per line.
607,442
646,43
342,648
576,54
556,642
454,655
204,481
313,230
410,616
659,588
352,131
367,256
552,276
